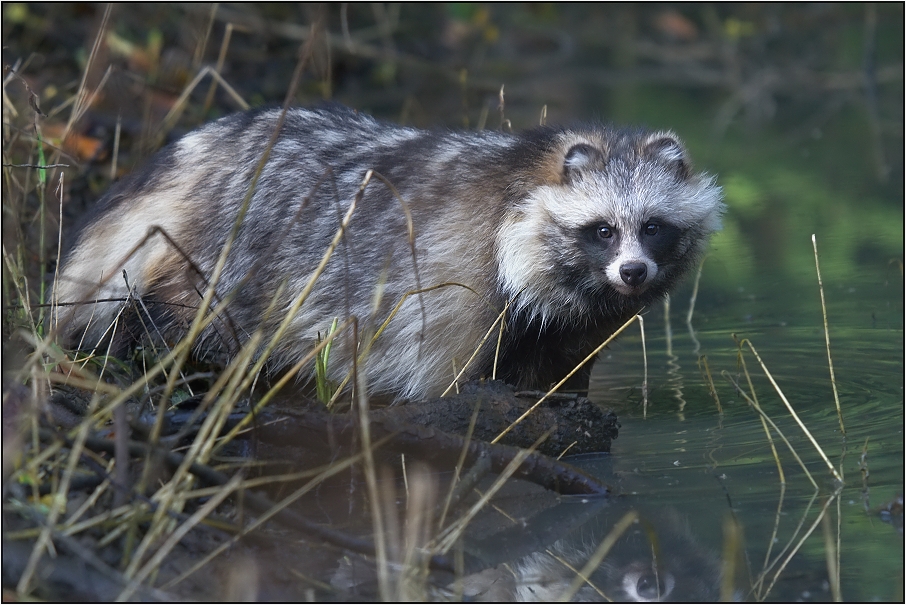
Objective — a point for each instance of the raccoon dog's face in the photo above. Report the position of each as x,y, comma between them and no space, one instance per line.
626,218
636,224
630,251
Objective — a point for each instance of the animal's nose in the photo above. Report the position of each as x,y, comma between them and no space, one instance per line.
634,274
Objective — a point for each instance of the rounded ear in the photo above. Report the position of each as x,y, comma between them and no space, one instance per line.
579,158
666,149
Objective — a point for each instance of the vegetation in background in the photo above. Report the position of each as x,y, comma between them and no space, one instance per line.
798,109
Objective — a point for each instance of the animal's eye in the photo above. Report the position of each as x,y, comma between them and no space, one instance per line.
605,232
651,229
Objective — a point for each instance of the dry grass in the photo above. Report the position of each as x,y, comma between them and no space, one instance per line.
772,569
159,509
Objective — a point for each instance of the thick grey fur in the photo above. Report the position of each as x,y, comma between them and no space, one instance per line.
514,217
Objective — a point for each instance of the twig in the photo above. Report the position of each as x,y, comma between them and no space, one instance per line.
759,583
154,562
802,541
553,389
221,59
57,507
794,414
453,533
476,351
37,166
116,147
692,299
764,415
732,548
703,365
830,362
830,556
456,490
645,376
501,107
594,561
764,424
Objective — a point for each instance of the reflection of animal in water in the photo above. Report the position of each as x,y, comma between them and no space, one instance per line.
656,559
536,550
666,564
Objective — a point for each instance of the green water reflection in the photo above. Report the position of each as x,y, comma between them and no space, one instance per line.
798,111
710,465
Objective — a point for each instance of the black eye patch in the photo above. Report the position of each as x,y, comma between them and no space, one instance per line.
660,239
600,236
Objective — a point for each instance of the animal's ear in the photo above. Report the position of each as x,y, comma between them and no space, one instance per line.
666,149
581,157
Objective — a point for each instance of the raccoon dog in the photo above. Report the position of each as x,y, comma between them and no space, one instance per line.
577,228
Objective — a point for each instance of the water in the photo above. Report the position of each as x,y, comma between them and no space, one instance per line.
715,466
808,165
693,473
775,100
